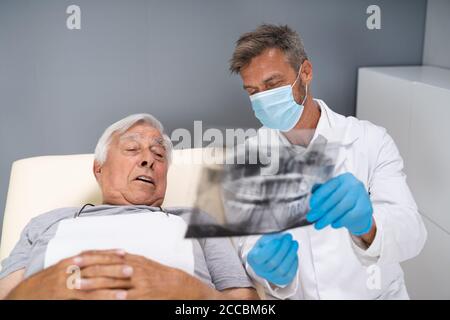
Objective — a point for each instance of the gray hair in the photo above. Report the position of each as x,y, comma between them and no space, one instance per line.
121,126
267,36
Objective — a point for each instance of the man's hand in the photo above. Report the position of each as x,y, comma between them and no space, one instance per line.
90,275
274,258
342,202
152,280
113,274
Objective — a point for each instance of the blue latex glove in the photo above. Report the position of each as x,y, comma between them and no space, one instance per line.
274,258
341,202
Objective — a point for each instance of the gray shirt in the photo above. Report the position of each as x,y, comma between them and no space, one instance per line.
215,261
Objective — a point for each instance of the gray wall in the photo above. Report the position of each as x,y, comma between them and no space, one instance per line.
59,89
436,51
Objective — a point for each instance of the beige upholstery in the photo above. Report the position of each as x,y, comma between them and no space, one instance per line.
40,184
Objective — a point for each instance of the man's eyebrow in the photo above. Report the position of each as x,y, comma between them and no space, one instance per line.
161,142
275,76
138,136
245,86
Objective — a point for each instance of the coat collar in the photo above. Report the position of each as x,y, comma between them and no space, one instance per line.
335,127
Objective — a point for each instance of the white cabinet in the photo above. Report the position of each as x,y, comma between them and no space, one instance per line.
413,104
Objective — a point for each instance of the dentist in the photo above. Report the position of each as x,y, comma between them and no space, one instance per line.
365,220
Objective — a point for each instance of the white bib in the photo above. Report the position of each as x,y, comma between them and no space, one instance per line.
155,235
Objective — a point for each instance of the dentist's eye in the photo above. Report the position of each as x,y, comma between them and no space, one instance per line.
274,85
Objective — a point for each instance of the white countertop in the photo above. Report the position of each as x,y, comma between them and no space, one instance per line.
434,76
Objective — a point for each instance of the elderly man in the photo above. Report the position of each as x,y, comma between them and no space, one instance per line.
131,163
365,219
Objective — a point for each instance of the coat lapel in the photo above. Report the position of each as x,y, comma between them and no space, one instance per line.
342,132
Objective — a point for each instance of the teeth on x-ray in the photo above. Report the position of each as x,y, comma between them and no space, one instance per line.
260,197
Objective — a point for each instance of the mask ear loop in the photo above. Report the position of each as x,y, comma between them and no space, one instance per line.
306,86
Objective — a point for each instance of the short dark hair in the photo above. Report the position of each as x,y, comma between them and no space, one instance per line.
266,36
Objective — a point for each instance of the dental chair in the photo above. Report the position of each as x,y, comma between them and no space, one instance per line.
41,184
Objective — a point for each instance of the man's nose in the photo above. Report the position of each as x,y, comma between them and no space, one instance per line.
147,160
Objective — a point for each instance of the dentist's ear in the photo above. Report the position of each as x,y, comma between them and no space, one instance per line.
307,72
303,83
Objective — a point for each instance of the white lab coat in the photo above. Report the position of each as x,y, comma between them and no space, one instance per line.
332,263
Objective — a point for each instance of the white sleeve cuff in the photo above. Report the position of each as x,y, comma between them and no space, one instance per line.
276,291
368,255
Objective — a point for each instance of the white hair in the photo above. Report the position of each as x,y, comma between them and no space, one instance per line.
121,126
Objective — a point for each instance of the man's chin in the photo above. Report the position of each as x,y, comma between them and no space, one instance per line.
145,199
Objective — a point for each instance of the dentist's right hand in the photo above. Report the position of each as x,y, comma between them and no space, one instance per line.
274,258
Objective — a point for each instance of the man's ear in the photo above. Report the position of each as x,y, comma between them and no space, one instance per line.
307,72
97,169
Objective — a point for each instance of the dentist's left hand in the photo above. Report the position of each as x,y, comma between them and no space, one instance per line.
274,258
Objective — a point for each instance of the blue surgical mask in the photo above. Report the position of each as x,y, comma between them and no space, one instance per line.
276,108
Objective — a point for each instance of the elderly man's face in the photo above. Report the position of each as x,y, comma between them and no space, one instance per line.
135,170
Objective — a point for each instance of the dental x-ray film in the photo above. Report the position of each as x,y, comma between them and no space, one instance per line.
256,192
